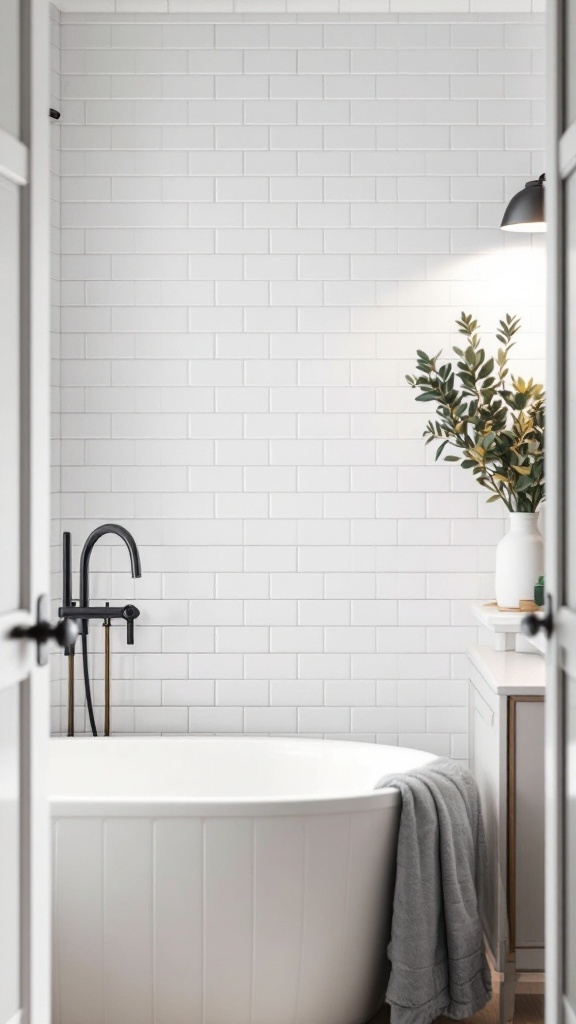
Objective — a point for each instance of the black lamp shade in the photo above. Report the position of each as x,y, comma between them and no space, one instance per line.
525,211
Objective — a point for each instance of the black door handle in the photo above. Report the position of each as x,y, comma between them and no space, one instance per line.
64,632
534,623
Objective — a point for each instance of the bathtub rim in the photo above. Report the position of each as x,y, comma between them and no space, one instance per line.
74,806
182,808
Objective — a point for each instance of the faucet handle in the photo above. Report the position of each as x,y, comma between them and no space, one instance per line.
130,612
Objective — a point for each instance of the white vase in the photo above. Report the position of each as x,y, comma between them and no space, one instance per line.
519,560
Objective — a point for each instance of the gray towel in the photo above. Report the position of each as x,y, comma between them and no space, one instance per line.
437,947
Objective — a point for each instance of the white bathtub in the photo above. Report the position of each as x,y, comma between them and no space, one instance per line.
222,881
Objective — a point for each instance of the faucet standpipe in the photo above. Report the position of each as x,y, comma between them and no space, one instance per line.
106,627
71,692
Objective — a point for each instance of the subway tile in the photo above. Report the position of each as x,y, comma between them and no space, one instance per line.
295,506
270,613
183,692
280,559
323,666
242,692
295,692
160,720
188,639
245,36
323,720
270,720
323,61
215,720
271,666
376,719
189,36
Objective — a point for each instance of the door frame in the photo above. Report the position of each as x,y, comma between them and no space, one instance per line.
35,503
561,160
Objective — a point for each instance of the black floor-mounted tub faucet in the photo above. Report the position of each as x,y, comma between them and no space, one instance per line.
83,612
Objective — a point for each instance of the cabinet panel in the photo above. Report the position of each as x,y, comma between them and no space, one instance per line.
529,777
506,701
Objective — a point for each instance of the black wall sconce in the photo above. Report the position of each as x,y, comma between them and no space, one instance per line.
525,211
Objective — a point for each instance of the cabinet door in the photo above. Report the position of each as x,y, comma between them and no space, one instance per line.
527,803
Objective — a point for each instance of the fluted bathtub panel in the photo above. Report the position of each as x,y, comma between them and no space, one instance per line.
326,870
278,908
228,919
128,921
373,843
78,922
178,920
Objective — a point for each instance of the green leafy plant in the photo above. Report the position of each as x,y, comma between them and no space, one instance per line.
494,420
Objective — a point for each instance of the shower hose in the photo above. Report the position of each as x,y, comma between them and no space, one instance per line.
87,684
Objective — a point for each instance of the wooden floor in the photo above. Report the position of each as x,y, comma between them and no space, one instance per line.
529,1010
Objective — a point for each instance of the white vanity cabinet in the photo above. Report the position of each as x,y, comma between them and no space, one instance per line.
506,703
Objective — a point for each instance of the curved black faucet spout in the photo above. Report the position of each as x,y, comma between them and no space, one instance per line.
100,531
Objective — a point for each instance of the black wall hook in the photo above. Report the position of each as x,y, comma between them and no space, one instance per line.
55,114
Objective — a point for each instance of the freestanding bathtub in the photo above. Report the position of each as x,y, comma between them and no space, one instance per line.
222,881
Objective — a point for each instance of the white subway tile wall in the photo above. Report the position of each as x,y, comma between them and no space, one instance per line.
262,219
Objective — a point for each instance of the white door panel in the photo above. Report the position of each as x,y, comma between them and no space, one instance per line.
14,655
9,852
24,510
10,395
570,854
561,517
570,51
10,66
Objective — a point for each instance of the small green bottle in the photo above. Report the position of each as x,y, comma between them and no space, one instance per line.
539,592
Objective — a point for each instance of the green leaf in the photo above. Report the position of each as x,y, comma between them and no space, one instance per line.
486,370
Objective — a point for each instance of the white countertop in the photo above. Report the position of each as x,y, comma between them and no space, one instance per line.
509,673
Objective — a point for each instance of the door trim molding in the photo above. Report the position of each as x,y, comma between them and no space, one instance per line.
13,158
567,152
555,529
35,493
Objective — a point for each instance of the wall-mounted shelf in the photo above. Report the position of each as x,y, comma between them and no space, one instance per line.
506,628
